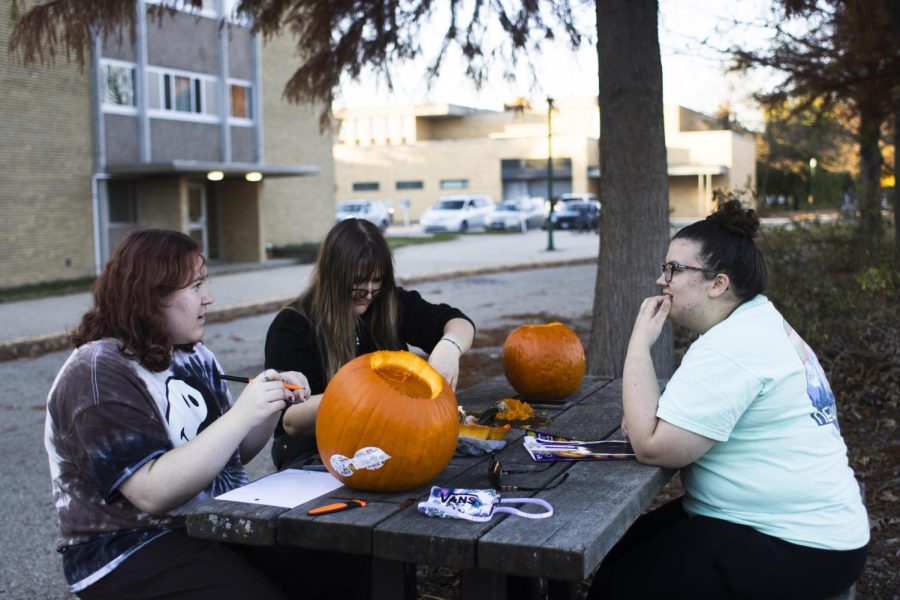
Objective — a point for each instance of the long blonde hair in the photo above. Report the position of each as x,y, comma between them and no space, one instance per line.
353,251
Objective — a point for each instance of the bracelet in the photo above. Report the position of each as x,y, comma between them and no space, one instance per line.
446,339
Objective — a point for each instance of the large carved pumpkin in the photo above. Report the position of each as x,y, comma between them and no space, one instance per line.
394,402
543,362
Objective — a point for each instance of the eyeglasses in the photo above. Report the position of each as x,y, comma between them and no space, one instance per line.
670,268
360,293
495,470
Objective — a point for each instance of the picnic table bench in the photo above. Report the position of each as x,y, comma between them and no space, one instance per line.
593,507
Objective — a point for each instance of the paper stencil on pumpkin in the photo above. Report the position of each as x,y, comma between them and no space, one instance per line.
369,458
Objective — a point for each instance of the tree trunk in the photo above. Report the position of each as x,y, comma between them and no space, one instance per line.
870,159
633,184
897,190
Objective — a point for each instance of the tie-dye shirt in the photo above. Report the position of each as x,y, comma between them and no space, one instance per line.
107,416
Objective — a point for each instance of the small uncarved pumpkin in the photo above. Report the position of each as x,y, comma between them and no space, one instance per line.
543,362
393,401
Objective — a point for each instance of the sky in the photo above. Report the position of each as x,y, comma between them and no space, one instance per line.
694,71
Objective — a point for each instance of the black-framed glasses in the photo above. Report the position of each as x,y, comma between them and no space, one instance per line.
360,293
670,268
495,470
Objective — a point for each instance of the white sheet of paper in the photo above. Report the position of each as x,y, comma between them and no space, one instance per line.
288,488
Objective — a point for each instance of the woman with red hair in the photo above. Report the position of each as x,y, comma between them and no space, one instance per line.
140,426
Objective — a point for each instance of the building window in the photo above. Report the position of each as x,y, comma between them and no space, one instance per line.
122,201
366,186
410,185
117,85
454,184
183,95
122,212
241,100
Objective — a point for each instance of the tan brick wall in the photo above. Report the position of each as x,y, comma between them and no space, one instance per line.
240,221
162,203
46,227
294,209
477,160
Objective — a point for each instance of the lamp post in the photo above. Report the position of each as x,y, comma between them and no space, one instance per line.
812,176
550,172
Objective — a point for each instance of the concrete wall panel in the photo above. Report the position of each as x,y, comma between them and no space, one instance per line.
240,44
121,139
183,41
242,144
171,139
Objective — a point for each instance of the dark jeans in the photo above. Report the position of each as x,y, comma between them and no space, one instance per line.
667,554
179,567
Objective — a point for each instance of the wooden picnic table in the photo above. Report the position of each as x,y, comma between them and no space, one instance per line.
593,508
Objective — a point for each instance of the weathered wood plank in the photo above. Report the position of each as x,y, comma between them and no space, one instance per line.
236,522
595,506
352,530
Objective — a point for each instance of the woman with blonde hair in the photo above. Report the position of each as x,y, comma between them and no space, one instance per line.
353,306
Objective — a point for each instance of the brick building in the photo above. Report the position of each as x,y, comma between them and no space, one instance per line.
185,129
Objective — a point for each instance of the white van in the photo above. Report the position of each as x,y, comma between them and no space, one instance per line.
459,212
375,211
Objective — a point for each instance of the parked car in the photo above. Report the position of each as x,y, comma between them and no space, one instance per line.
577,216
375,211
460,212
580,197
517,215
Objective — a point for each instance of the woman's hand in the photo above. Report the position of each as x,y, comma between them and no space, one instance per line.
266,395
259,434
445,360
649,322
299,379
458,336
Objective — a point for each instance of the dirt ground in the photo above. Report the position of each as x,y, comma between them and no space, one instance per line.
881,578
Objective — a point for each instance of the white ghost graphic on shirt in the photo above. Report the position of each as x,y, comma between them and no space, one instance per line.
185,411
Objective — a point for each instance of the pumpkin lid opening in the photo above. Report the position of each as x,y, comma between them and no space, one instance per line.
407,373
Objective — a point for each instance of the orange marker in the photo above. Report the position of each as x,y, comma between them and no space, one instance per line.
289,386
336,507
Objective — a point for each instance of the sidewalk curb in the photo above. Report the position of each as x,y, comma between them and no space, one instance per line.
37,345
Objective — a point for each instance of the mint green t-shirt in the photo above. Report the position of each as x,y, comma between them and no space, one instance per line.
779,463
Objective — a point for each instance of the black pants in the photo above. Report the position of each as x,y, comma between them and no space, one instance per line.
667,554
179,567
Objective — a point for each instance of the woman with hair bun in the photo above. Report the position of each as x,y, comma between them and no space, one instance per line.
771,507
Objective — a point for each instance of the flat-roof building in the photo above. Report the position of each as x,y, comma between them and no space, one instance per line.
419,153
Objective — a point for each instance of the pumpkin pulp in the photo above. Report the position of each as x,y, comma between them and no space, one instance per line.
406,376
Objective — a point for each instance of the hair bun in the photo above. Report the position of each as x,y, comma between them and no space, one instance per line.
736,219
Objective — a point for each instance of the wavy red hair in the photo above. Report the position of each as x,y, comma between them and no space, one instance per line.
128,296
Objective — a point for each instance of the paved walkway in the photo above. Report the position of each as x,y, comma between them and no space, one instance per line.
31,327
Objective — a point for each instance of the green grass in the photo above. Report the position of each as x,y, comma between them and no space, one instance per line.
40,290
400,241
